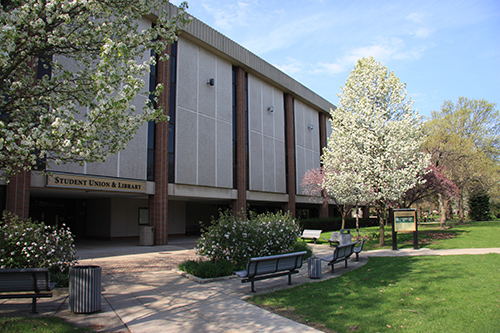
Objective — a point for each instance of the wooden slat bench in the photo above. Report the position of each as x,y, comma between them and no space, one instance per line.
25,283
261,268
341,253
311,234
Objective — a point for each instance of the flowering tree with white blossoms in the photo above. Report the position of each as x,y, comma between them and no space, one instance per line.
69,70
374,153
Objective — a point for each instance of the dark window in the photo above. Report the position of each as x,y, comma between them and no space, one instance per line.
153,80
171,113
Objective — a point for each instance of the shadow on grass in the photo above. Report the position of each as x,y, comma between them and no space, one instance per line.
387,293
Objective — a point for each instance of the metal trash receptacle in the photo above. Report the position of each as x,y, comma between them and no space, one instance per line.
314,267
147,235
85,289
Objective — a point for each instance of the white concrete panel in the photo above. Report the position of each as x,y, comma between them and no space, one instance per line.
300,167
187,74
186,147
206,151
133,160
269,170
68,167
280,166
108,168
207,93
267,117
224,154
224,89
255,168
254,104
299,124
279,115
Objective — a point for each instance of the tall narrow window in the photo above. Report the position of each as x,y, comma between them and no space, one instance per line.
153,80
171,112
235,164
247,149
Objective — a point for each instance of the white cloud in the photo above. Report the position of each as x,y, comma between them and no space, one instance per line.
419,28
423,32
286,32
292,66
383,52
228,15
416,17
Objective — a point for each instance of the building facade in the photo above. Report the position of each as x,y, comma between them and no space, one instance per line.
241,134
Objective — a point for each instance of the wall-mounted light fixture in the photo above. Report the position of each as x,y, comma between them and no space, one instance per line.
270,109
211,82
310,127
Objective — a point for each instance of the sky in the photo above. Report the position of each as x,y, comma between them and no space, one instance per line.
442,50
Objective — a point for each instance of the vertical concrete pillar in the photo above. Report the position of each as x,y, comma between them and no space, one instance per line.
18,194
290,153
241,147
158,203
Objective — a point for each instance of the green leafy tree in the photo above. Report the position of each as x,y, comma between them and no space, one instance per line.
69,73
464,140
374,153
479,205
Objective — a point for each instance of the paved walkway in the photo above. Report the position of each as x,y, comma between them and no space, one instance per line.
142,293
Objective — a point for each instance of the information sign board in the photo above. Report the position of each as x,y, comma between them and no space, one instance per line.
405,220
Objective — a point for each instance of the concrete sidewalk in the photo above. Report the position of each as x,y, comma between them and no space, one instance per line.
142,293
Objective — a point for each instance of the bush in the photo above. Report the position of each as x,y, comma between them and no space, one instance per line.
300,246
236,239
335,223
207,269
26,244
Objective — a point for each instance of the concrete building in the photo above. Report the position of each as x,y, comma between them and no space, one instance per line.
241,134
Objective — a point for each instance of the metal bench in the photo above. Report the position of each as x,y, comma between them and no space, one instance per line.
26,283
358,249
311,234
341,253
341,237
261,268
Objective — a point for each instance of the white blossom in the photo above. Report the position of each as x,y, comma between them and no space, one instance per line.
374,153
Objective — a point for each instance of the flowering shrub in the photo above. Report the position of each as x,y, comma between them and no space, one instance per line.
237,239
25,244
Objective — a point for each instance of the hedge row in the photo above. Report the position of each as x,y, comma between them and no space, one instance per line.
335,223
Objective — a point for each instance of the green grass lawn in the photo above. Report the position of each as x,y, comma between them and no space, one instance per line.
460,236
413,294
38,325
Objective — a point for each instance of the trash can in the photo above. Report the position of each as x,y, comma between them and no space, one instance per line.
314,267
85,289
147,235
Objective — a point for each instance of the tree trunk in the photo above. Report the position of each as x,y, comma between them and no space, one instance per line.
357,222
382,234
461,209
443,209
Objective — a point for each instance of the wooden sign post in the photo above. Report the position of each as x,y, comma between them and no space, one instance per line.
404,220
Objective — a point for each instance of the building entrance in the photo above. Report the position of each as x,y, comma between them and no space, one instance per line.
59,211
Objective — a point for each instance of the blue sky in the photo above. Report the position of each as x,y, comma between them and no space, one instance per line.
441,49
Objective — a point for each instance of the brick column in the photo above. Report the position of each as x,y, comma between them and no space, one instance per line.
158,203
241,150
18,194
290,153
323,211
